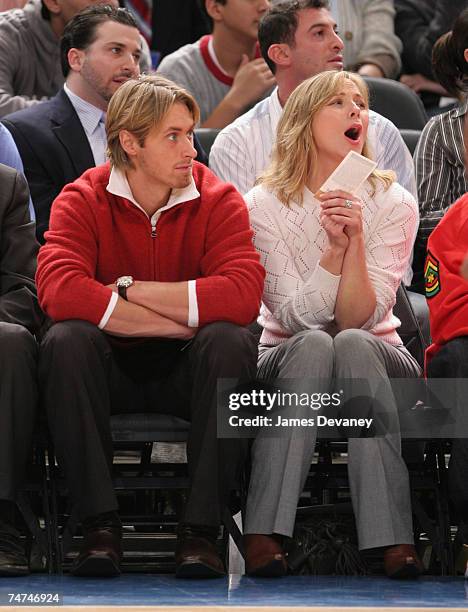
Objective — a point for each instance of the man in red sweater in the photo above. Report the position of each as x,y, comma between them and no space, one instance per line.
447,357
149,274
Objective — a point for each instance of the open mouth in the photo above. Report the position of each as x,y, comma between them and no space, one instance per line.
354,133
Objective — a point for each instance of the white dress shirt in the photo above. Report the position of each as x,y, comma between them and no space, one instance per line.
93,121
242,150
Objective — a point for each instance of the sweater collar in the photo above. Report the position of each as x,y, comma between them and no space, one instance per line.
212,63
118,186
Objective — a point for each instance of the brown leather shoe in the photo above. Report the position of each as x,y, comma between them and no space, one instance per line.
264,556
402,562
100,554
196,555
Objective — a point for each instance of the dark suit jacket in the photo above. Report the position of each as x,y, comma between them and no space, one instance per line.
55,151
18,251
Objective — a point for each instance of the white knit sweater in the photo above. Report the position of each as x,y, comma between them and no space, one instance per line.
299,294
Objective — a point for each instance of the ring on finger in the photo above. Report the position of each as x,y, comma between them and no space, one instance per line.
348,203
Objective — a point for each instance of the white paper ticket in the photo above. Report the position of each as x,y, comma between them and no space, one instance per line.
350,174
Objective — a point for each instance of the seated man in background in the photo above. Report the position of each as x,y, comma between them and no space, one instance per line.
439,155
298,40
20,319
149,273
100,50
447,357
61,138
223,71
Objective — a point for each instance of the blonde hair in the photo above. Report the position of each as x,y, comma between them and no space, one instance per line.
295,153
138,106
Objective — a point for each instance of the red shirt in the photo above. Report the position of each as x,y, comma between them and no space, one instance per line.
446,290
95,237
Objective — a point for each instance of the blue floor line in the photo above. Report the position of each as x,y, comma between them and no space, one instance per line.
165,590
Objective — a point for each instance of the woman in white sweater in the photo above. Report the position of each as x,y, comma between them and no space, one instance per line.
334,263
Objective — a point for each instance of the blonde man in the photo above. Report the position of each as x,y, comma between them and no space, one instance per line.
152,248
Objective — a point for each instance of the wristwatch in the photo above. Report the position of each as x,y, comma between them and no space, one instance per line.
123,283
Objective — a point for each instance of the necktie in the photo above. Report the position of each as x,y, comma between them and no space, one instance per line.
100,142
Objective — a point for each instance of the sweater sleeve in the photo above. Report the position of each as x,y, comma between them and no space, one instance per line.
67,262
9,102
388,247
380,45
446,290
231,285
298,299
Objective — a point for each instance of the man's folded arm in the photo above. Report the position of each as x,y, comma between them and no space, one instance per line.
66,285
231,283
131,320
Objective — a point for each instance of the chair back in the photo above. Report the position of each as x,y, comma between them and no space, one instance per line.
410,331
207,136
397,102
411,138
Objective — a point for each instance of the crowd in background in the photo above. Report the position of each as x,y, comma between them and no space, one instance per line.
276,81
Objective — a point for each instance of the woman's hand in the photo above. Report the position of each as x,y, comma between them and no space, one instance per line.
344,210
337,239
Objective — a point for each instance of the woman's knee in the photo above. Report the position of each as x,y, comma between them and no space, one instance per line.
308,353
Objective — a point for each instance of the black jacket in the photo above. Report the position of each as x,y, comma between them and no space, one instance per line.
18,252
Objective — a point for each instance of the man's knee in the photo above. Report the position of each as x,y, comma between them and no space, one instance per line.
451,361
223,337
64,336
16,342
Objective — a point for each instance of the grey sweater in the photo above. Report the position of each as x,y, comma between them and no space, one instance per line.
29,58
30,68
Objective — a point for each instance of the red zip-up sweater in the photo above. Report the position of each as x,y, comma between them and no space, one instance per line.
94,237
446,290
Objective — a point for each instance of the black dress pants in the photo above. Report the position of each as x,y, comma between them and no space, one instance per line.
86,376
452,362
18,401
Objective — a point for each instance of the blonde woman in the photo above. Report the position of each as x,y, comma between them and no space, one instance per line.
334,263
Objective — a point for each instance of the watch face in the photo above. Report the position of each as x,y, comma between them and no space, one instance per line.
125,281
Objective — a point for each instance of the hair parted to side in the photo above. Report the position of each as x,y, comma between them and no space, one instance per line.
294,153
80,31
449,65
279,24
138,106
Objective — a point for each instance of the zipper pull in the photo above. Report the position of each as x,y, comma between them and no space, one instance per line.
153,231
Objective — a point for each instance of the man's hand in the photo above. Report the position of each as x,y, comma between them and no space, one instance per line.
418,82
371,70
253,79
